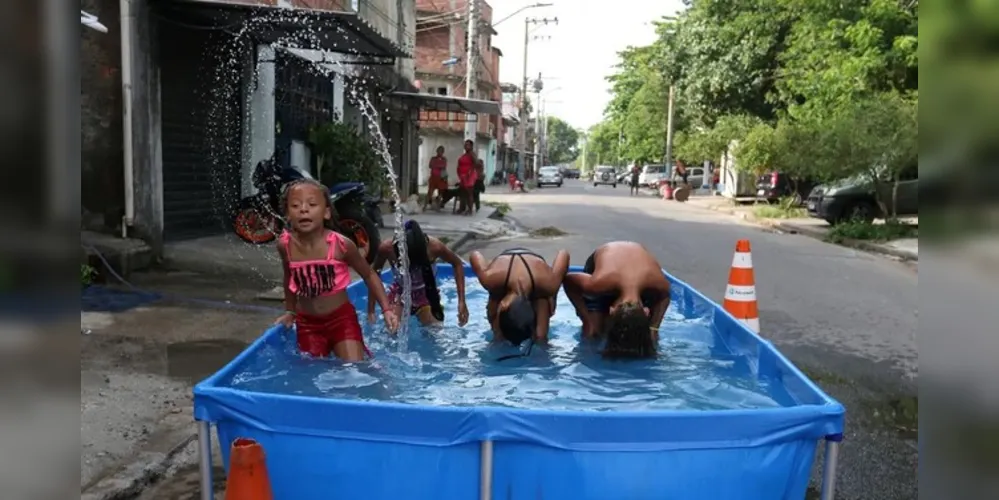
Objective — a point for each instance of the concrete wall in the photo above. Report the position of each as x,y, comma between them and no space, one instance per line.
453,148
101,178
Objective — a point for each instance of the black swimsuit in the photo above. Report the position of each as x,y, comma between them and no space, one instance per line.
518,252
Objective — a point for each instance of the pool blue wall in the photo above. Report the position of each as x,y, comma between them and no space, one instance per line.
324,448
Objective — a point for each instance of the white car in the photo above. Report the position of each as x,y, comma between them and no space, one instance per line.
651,175
549,175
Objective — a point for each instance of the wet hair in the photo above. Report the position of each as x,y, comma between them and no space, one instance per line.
518,323
628,335
418,251
286,190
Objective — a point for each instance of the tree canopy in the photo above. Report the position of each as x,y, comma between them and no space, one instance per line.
823,88
563,142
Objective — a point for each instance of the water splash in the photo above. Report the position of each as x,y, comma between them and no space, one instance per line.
308,34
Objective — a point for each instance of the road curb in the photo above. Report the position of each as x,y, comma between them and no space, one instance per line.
145,468
469,235
866,246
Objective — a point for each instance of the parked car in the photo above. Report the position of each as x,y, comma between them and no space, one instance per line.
605,175
854,198
695,177
571,173
549,175
776,185
651,175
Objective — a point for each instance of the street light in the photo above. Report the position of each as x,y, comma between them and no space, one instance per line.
522,9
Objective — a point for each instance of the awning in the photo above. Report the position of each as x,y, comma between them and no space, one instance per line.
450,104
341,32
510,120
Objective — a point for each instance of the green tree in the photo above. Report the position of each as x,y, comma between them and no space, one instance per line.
563,141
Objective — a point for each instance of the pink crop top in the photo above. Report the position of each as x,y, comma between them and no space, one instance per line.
318,278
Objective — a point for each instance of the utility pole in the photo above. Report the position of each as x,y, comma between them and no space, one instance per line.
669,133
471,65
523,89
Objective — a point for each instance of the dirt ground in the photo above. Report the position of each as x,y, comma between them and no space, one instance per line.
142,355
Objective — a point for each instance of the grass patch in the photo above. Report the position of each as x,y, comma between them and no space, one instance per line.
445,240
900,414
867,231
547,232
501,207
778,212
786,208
87,274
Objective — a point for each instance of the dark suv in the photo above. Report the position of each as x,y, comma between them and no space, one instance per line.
854,198
776,185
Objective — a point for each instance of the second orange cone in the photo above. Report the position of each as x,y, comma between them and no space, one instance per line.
247,478
740,294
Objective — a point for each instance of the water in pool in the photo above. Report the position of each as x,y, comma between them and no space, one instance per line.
458,366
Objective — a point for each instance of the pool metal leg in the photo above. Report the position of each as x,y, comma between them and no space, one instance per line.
205,454
829,470
486,470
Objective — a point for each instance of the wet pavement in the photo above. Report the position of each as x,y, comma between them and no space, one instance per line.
142,352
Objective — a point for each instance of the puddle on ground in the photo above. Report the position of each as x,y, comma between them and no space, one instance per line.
197,359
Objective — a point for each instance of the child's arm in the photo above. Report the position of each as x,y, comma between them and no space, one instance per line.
376,267
439,250
374,283
659,310
290,300
548,286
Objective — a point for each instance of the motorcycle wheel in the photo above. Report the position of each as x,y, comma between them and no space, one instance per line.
361,230
254,227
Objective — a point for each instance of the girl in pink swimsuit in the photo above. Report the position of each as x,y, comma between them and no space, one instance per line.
317,263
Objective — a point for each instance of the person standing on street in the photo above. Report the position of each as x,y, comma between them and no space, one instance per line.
480,184
466,177
634,179
438,179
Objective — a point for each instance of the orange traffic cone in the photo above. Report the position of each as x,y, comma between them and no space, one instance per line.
247,478
740,294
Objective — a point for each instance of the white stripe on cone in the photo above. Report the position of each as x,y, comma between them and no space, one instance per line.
742,260
740,293
752,323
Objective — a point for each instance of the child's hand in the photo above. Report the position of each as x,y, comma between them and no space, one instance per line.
391,321
371,318
462,313
287,320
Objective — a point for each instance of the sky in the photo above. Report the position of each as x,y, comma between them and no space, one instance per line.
581,51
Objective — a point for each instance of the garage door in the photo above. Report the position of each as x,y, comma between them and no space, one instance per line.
201,131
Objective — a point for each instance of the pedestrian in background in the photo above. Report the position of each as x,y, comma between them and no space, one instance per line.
466,177
480,183
634,179
438,179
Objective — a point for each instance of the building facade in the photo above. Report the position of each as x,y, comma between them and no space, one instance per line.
171,137
440,64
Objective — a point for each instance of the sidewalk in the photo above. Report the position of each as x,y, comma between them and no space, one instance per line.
905,249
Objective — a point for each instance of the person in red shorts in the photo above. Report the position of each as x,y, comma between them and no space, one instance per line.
438,179
466,177
317,264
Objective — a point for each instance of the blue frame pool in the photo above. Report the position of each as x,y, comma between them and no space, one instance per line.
321,448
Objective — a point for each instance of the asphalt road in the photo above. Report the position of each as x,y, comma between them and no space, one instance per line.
848,318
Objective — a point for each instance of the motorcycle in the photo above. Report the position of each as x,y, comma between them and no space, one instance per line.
259,218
